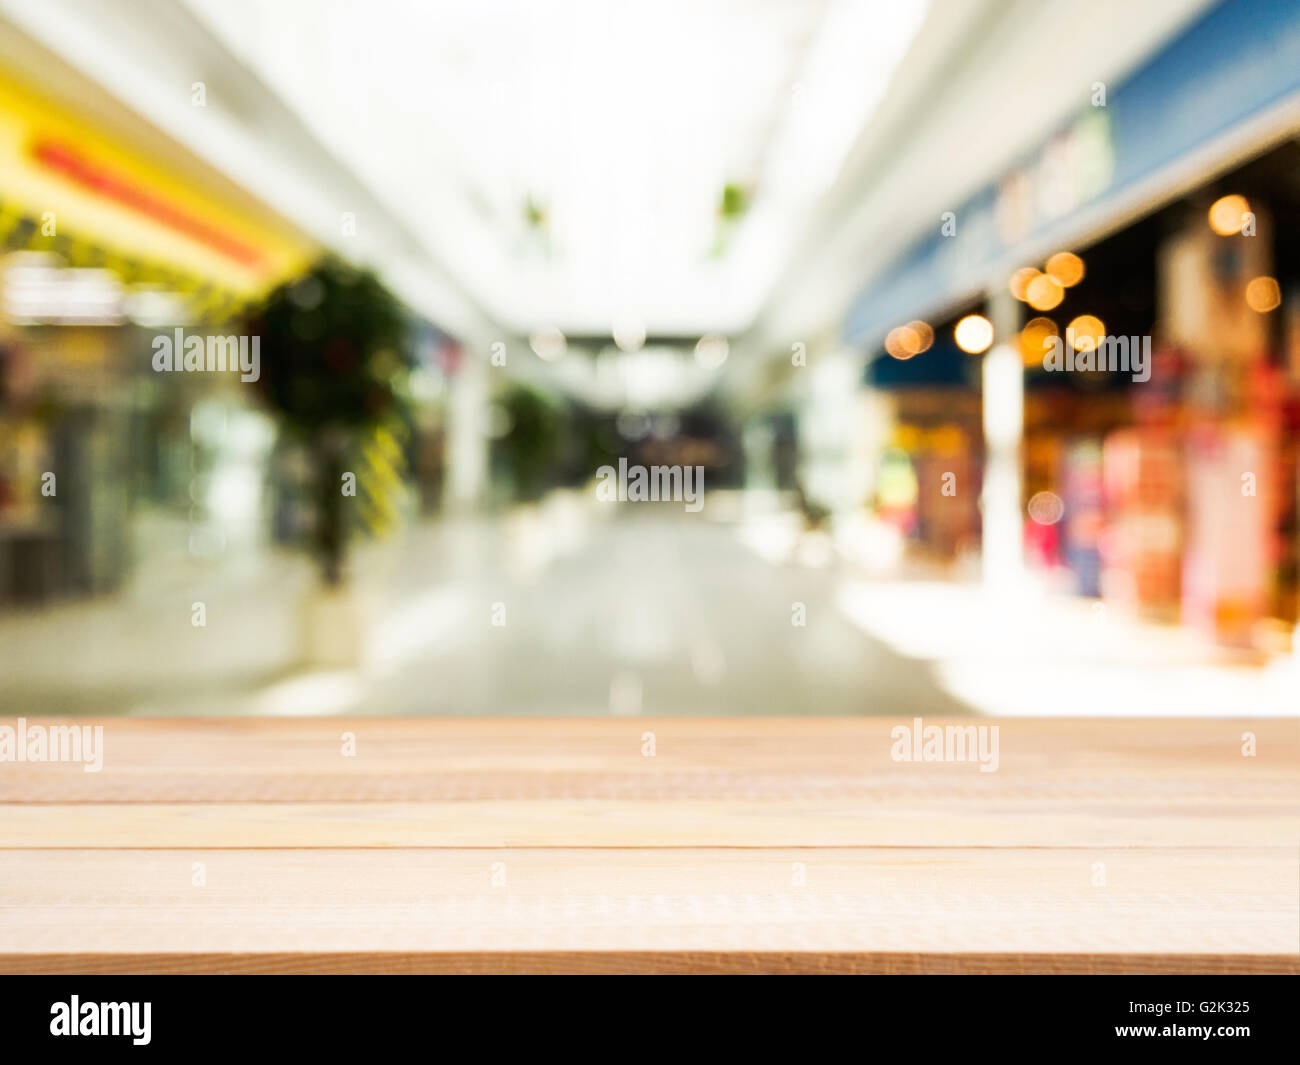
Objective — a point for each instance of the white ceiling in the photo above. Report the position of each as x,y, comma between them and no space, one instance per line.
621,122
436,122
986,82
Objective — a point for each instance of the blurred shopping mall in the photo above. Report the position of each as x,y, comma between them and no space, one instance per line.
715,357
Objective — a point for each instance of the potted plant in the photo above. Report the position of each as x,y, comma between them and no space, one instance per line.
526,456
335,354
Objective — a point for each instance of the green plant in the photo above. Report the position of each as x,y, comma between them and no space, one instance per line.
528,454
335,353
733,203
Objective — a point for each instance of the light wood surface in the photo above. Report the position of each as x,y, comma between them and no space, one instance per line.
740,845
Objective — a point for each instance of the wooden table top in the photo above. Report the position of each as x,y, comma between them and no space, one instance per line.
665,845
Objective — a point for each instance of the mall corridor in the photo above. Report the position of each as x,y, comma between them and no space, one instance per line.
656,614
565,609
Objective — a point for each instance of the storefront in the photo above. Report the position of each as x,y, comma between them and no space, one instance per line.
930,469
1154,238
102,249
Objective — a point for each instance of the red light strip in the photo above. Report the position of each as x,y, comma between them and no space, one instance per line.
71,164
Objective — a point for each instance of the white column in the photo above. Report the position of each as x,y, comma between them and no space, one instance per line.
1004,430
467,435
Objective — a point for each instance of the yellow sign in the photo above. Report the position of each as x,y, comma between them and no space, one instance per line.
73,181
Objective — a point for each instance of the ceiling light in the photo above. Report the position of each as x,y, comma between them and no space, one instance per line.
629,333
548,343
711,351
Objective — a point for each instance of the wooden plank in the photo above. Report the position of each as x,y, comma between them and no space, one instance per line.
1204,820
1032,908
1097,846
437,760
655,963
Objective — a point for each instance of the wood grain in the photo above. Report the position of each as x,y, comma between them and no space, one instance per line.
740,846
927,821
431,760
624,963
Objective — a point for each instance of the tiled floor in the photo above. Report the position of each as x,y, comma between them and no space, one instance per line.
569,609
652,614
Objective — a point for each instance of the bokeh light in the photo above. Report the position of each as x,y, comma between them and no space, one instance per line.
1263,295
629,333
898,345
548,343
916,337
1046,508
711,351
1085,332
974,334
1065,267
1019,284
1044,293
1228,213
1032,338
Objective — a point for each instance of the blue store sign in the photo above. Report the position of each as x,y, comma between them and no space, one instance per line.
1238,60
